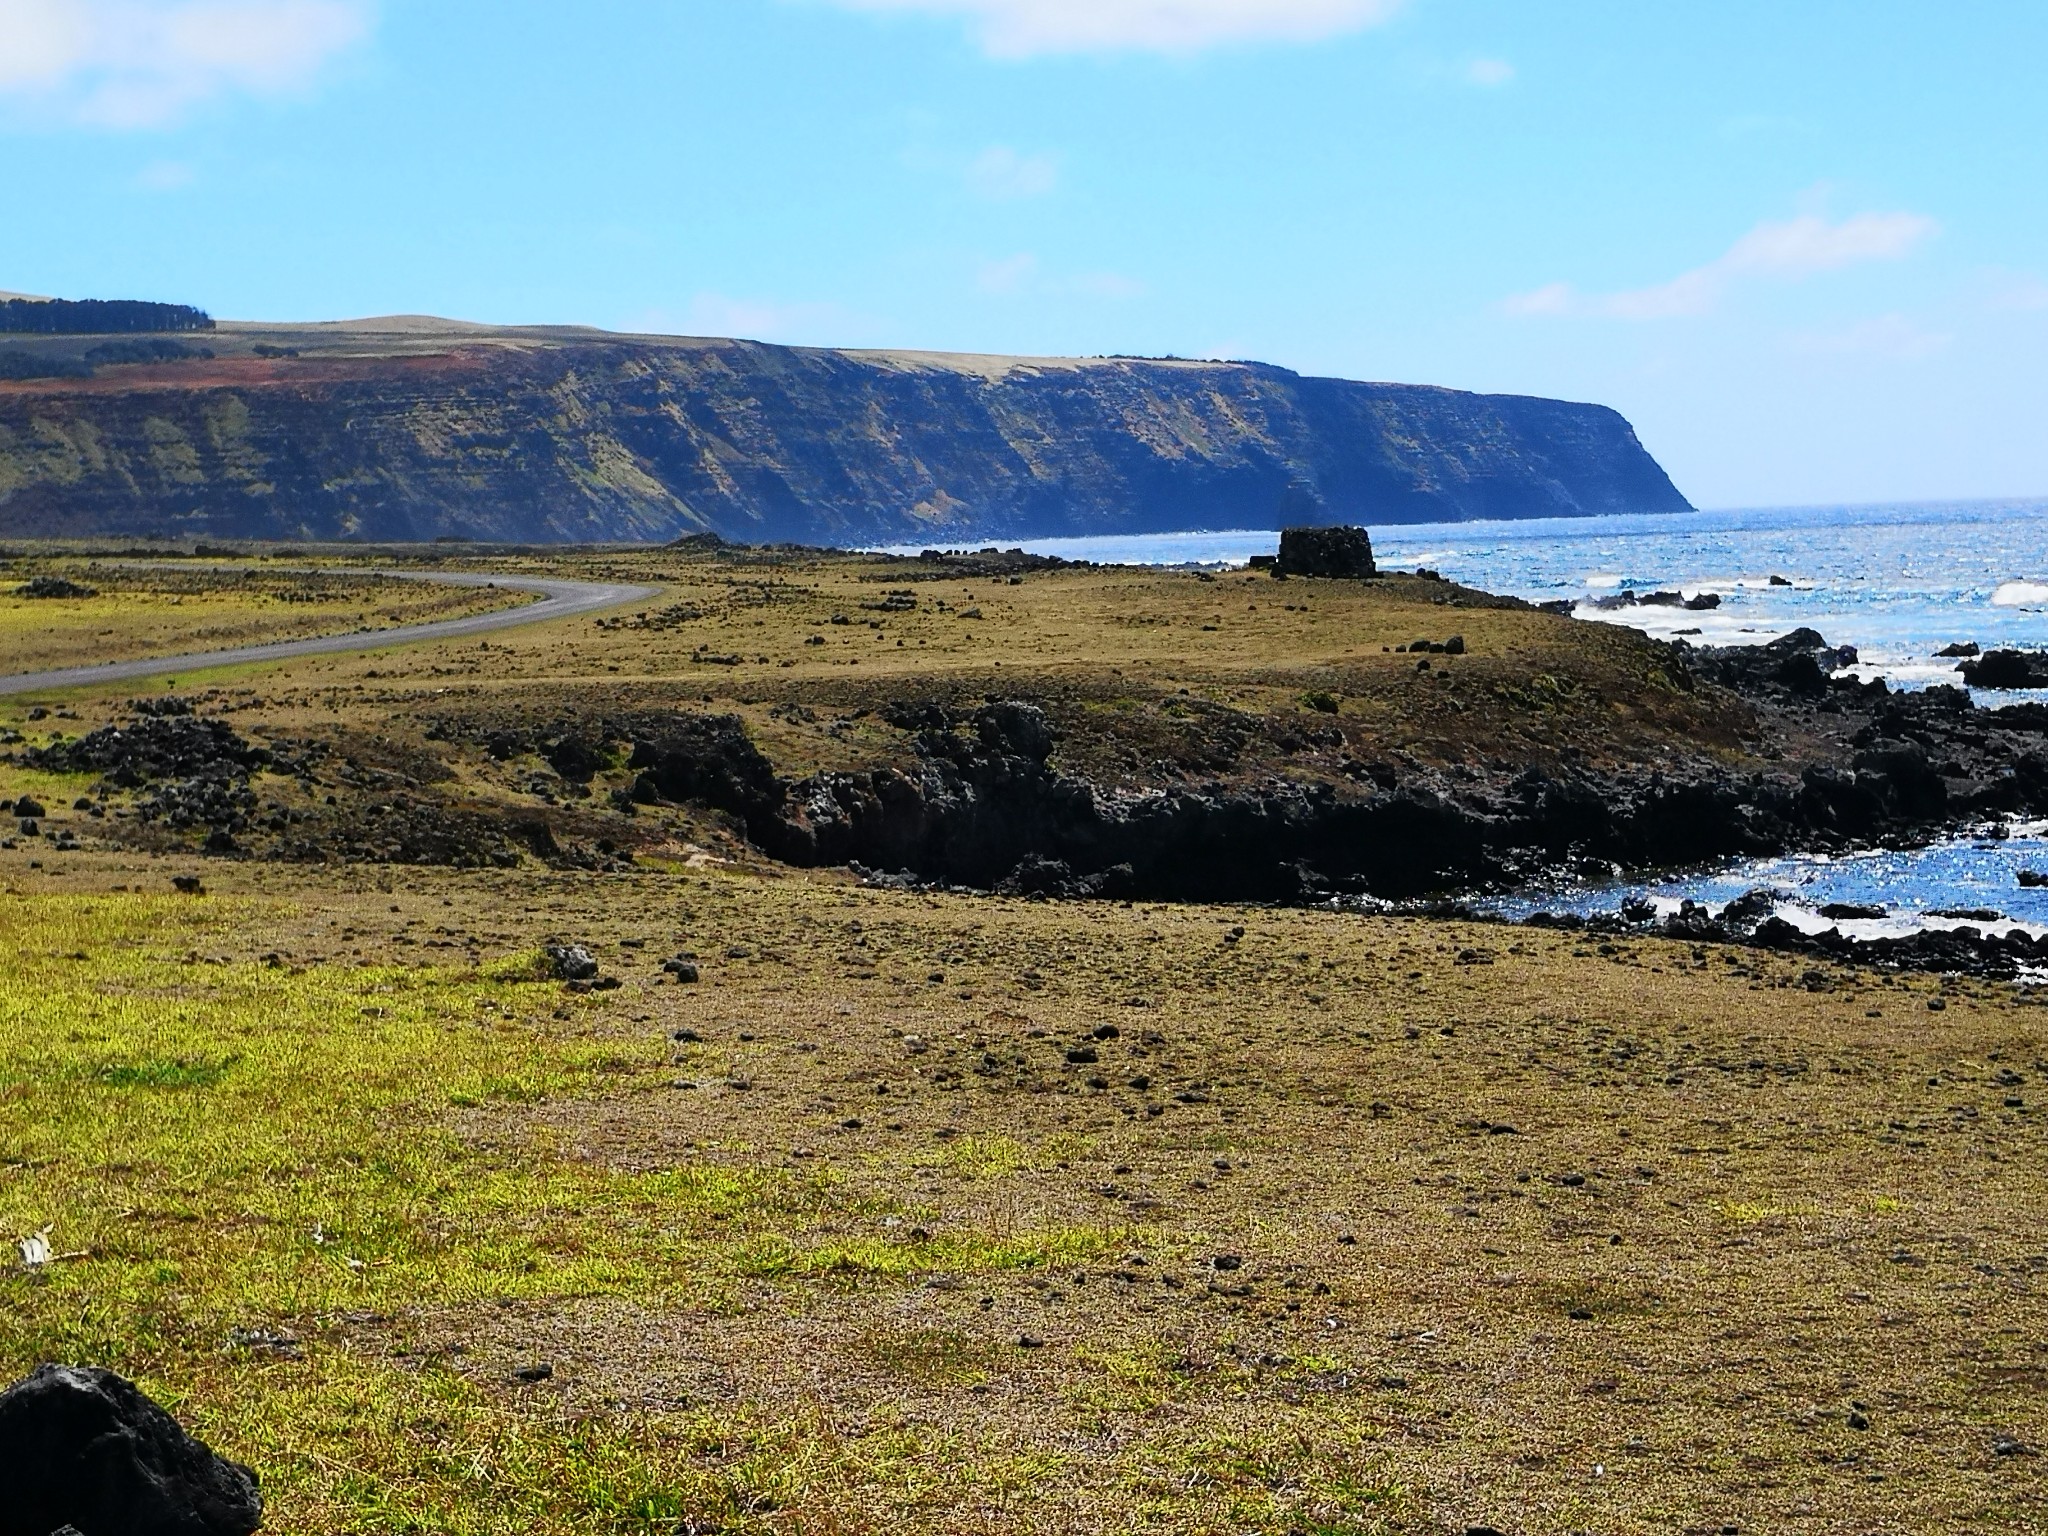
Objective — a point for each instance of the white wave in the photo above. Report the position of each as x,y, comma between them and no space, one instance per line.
2020,594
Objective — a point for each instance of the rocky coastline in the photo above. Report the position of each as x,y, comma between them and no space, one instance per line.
983,804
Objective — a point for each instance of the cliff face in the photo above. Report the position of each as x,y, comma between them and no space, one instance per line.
574,436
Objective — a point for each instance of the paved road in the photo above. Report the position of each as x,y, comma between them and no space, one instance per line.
559,600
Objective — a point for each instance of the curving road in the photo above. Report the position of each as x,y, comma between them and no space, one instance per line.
559,600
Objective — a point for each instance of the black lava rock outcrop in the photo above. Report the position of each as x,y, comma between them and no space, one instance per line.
1335,551
81,1447
1801,663
195,772
54,586
159,746
2006,670
985,804
1970,948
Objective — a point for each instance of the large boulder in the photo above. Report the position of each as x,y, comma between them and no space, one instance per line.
1336,551
1801,663
81,1447
2006,669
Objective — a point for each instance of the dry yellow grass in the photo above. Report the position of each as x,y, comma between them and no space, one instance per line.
874,1251
140,611
934,1213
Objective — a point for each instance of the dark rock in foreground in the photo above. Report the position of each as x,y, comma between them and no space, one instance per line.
81,1447
1339,551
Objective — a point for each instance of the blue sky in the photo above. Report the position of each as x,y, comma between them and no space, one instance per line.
1803,247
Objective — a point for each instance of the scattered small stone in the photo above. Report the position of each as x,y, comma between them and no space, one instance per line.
1227,1261
265,1341
29,808
1029,1341
188,885
2006,1445
571,962
532,1374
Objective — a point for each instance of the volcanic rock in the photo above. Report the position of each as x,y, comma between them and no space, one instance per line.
2006,669
571,962
54,586
82,1447
1341,551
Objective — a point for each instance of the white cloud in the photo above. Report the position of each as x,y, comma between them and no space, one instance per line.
1784,249
1106,285
1890,336
1019,29
1002,175
2026,293
1009,275
1809,243
1550,299
140,63
164,176
1024,273
1489,72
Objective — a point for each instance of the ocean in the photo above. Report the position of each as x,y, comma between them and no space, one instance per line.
1897,582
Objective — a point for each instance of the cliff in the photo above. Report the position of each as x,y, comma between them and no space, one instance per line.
419,429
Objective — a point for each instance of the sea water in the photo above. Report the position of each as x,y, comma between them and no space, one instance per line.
1899,583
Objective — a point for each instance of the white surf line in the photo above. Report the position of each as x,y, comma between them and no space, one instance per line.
559,600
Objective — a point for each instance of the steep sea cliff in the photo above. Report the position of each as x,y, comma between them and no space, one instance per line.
559,435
